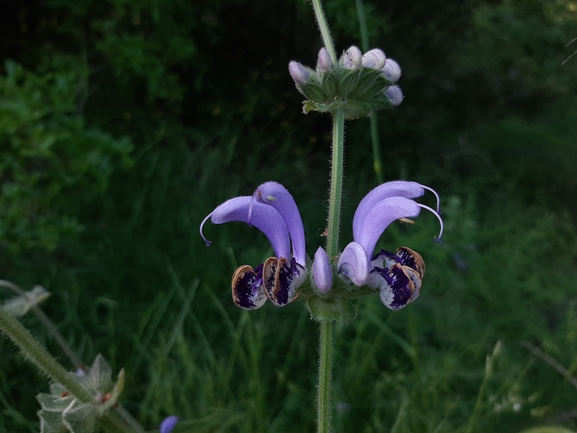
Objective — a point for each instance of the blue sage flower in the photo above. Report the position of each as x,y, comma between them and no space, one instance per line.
397,276
274,212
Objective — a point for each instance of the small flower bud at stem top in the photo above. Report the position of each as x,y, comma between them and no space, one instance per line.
324,63
392,70
395,95
352,59
298,73
374,58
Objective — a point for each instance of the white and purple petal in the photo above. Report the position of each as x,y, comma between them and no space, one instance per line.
265,218
353,265
396,289
247,287
322,272
281,278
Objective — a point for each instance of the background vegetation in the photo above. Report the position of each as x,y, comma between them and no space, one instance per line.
123,123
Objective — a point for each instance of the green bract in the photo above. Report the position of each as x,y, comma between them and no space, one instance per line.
359,91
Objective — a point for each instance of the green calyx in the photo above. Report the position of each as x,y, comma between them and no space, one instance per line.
358,91
329,310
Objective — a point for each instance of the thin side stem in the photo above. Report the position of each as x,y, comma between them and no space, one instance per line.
324,28
325,376
336,188
377,162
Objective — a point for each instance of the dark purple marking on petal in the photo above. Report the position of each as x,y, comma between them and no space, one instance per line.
279,280
398,289
247,291
412,259
389,255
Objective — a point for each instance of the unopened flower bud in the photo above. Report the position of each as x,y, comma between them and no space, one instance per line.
392,70
352,59
324,63
298,73
374,59
395,95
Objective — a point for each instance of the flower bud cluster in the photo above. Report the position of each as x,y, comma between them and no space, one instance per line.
359,83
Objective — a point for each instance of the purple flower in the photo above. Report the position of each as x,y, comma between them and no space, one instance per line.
273,211
168,424
398,275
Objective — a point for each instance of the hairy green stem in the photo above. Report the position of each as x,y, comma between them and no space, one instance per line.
34,351
325,376
336,188
324,28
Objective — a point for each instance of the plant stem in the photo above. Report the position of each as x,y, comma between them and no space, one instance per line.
336,188
324,28
325,376
377,163
34,351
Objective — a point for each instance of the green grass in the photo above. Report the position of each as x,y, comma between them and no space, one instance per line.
143,290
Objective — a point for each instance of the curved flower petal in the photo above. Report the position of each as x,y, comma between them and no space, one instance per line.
397,188
322,272
353,265
380,216
168,424
265,218
277,196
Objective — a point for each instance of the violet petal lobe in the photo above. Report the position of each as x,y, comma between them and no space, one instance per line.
397,188
247,287
265,218
322,272
380,217
168,424
397,288
353,264
279,278
277,196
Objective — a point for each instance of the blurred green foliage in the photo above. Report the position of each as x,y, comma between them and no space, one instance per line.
122,124
51,164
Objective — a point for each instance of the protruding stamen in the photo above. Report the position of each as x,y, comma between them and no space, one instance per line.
201,233
438,238
436,195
